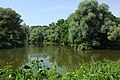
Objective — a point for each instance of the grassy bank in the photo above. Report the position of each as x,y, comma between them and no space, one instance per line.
34,70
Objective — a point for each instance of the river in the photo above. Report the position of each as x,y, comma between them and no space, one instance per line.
61,55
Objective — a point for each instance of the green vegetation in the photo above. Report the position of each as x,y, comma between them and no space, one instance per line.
106,70
12,32
53,34
91,26
35,70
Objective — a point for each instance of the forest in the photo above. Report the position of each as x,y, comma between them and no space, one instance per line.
91,26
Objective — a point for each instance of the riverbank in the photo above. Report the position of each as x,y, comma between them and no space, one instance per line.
102,70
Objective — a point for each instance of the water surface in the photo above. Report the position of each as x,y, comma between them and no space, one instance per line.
62,55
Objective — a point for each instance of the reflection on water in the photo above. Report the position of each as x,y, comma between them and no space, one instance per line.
67,56
17,55
62,55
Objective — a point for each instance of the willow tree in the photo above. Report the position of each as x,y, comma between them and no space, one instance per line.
90,25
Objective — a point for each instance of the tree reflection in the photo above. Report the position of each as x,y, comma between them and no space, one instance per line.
17,55
67,56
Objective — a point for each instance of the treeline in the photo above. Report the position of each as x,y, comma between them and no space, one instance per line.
55,33
91,26
12,32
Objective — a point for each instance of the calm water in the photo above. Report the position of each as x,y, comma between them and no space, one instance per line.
62,55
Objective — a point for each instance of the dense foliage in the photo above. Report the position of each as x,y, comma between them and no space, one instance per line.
91,26
53,34
106,70
12,32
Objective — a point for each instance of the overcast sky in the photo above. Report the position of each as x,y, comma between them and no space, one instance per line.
43,12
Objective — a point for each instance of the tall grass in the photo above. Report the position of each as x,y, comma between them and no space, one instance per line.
100,70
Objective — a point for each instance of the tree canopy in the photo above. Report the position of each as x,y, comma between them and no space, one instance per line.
91,26
12,32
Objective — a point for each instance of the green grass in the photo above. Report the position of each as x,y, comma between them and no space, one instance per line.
100,70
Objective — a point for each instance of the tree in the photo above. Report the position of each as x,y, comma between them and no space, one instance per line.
90,25
10,28
36,35
62,30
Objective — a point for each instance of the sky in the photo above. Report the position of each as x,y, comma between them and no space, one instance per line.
43,12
